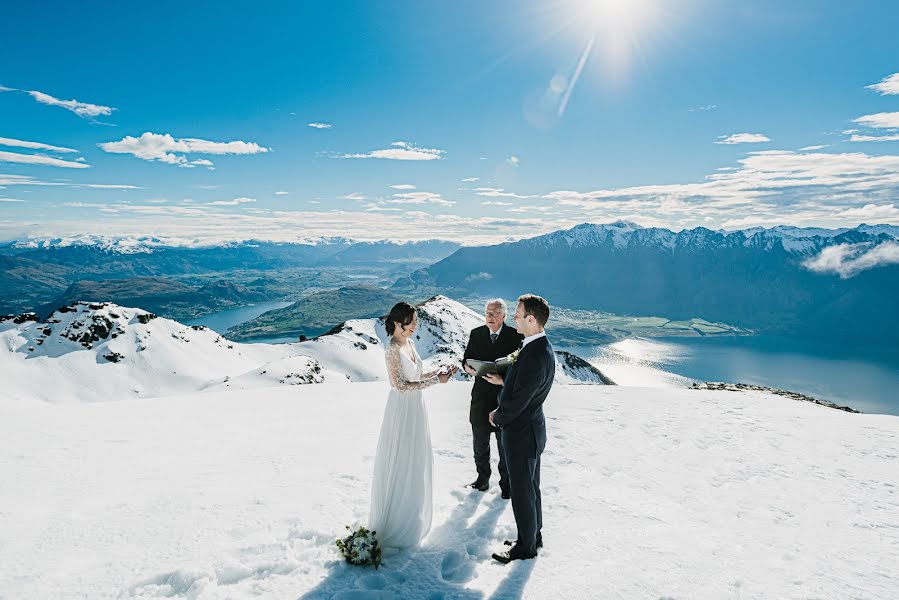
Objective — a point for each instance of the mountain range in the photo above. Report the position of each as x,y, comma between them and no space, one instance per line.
37,272
817,283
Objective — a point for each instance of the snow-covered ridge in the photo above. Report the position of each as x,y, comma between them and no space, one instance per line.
146,244
795,240
102,351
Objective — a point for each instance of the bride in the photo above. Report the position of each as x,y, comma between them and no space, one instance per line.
401,489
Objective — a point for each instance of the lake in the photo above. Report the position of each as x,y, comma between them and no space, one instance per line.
221,321
866,381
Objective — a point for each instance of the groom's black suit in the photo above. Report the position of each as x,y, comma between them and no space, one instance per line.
520,417
484,395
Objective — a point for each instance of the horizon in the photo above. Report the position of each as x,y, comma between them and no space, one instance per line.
123,242
476,124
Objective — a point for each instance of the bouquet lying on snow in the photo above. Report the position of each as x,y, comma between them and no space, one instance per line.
360,547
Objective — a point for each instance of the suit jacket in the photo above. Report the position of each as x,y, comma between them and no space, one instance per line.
525,387
483,394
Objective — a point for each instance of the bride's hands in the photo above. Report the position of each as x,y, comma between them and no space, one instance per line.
444,376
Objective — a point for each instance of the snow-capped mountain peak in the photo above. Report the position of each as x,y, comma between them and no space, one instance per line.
102,351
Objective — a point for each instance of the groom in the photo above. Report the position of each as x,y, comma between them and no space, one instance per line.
520,418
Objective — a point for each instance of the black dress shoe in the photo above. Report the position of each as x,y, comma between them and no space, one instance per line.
510,555
513,542
506,494
479,485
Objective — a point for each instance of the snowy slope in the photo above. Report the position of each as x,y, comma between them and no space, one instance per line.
647,493
98,352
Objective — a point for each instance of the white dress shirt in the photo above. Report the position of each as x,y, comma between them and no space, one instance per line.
531,338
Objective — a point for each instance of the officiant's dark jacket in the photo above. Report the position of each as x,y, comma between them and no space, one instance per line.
484,394
526,385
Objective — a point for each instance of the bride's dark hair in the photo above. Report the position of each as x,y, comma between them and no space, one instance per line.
402,313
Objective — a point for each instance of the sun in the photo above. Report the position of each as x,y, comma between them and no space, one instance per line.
616,17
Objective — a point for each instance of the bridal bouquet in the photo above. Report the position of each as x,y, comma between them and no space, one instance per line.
360,547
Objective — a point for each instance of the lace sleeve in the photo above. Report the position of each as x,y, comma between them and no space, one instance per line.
395,372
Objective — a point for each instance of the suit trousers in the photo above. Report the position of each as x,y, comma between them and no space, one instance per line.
524,477
481,444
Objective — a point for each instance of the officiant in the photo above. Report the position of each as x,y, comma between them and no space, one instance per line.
488,342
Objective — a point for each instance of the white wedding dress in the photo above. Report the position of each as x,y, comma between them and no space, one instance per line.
401,501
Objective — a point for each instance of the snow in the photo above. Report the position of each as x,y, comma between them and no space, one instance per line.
194,467
161,357
648,493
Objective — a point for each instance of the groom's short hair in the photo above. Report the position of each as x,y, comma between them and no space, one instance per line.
536,306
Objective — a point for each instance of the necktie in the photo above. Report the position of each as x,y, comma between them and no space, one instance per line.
493,337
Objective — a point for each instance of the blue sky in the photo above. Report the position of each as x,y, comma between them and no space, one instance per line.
191,122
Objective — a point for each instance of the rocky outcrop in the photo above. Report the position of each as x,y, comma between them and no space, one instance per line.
742,387
579,369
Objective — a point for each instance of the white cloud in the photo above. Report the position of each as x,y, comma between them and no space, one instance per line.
742,138
10,199
884,120
33,145
497,203
234,202
872,212
281,193
33,159
848,260
420,198
353,196
496,193
403,186
6,89
482,276
167,149
107,186
513,160
471,179
888,85
874,138
201,162
319,125
809,148
530,208
82,109
770,187
205,225
401,151
704,107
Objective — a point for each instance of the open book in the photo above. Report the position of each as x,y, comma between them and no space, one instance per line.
484,367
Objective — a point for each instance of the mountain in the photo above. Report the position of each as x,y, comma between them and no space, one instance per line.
96,352
160,295
761,279
37,272
141,258
25,283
